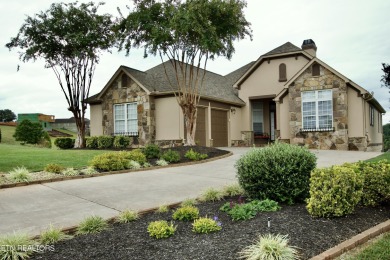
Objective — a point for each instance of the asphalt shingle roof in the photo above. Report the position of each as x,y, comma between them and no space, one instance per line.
287,47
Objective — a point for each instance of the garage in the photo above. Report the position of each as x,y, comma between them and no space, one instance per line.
219,128
200,132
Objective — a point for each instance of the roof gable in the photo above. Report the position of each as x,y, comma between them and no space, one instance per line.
284,48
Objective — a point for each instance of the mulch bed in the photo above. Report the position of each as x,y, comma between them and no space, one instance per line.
131,241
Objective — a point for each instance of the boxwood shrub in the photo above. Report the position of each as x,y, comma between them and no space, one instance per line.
92,142
121,141
64,142
105,142
151,151
171,156
280,172
115,161
334,191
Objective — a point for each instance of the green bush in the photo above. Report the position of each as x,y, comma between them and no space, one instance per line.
161,229
105,142
20,174
92,142
45,141
133,165
334,191
92,224
70,172
280,172
121,141
244,211
115,161
205,225
52,235
89,171
186,213
64,142
171,156
195,156
161,162
28,132
151,151
54,168
135,155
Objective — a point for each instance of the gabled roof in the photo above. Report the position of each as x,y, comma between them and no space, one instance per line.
284,48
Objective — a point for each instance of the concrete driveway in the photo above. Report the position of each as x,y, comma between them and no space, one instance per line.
32,208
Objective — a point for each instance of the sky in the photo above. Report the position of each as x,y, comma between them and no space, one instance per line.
352,36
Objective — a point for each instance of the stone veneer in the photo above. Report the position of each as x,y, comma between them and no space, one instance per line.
124,90
329,140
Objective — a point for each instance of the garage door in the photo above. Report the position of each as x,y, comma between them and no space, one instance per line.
200,132
219,128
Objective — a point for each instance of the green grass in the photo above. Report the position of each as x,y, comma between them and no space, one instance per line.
378,249
35,159
6,135
384,156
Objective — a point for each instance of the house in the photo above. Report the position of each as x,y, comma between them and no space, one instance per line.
44,120
287,94
69,124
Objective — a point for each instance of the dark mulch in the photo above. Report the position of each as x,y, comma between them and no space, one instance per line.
131,241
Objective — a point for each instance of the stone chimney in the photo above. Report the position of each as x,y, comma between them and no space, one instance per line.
310,47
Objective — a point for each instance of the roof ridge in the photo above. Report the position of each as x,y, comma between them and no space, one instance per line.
284,48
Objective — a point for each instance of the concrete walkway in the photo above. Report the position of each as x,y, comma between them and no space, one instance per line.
32,208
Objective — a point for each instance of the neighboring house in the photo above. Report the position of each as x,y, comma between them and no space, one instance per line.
44,120
69,124
287,94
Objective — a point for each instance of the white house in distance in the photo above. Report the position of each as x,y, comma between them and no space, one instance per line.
287,94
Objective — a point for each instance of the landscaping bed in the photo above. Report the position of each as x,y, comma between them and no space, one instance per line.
131,241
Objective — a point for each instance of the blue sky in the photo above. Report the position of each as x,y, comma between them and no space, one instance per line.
351,36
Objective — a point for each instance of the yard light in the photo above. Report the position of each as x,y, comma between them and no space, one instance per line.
269,222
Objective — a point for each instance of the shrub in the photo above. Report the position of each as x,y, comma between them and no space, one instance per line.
133,165
171,156
121,141
146,165
161,229
111,161
52,235
244,211
70,172
135,155
188,202
233,190
105,142
45,140
161,162
265,205
64,142
162,209
89,171
92,224
151,151
28,132
20,174
211,194
195,156
10,246
270,247
334,191
205,225
279,172
54,168
128,216
92,142
186,213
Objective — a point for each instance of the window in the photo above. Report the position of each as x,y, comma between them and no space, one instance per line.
282,72
379,123
257,117
125,119
372,115
317,110
315,69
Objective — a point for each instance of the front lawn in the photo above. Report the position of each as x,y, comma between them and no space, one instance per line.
384,156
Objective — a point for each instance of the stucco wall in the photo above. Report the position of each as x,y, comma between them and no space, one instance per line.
235,124
96,123
169,119
284,120
355,117
374,140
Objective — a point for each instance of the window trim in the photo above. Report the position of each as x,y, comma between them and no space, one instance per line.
126,119
282,72
371,115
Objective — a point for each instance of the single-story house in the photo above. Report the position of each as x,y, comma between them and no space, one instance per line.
287,94
44,120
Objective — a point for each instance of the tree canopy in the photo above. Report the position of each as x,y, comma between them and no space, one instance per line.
28,132
386,76
188,33
70,38
6,115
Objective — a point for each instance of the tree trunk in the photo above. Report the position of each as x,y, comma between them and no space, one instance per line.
190,113
80,124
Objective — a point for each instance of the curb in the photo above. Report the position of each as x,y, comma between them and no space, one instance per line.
66,178
353,242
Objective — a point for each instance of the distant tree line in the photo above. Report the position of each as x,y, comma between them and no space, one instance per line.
7,115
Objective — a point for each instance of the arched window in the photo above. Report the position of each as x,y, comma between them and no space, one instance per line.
282,72
315,69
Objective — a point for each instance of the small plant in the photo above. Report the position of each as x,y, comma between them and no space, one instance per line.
10,246
111,161
133,165
244,211
195,156
211,194
188,202
20,174
206,225
161,162
265,205
146,165
186,213
152,151
121,141
64,142
52,235
162,209
171,156
92,224
89,171
128,216
135,155
161,229
70,172
233,190
54,168
270,247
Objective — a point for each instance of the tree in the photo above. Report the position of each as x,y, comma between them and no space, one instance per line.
188,33
28,132
7,115
386,77
69,37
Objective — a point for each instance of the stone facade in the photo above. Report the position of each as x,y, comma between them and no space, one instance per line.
125,90
357,143
327,140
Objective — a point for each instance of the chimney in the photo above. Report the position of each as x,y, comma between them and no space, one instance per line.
310,47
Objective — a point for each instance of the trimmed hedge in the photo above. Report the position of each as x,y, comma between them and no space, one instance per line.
64,142
171,156
92,142
121,141
105,142
152,151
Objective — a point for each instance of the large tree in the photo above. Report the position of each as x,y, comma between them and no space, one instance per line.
386,76
69,37
6,115
188,33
